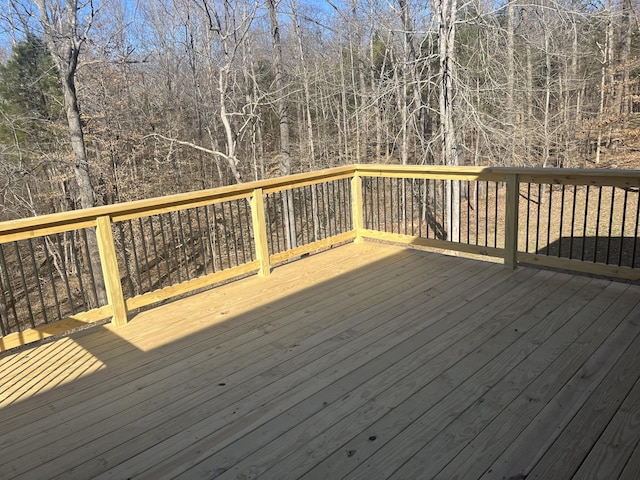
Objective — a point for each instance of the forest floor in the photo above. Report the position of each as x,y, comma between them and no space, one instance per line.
622,149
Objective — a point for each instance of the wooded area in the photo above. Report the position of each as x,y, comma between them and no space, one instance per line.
106,101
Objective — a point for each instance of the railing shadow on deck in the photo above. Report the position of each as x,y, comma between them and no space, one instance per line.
620,251
116,381
109,346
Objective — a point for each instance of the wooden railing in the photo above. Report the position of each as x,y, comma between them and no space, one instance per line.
63,270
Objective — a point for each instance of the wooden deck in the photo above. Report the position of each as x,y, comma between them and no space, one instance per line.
366,361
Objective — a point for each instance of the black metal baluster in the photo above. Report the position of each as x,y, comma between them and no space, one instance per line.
413,212
339,206
176,247
126,258
443,204
165,249
595,247
584,225
459,209
468,197
272,228
549,218
240,228
183,240
78,269
526,232
193,241
384,205
247,216
37,279
25,286
486,214
318,205
561,220
573,220
326,202
365,202
477,211
346,204
613,199
216,238
304,216
5,328
404,206
202,236
538,218
92,277
495,217
400,203
234,232
379,217
225,232
391,205
155,253
64,273
136,260
335,207
635,234
284,203
54,290
624,220
435,207
12,297
145,253
373,197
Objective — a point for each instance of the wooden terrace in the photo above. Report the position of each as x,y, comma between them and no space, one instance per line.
364,359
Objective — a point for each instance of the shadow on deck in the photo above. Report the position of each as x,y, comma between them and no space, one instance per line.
622,251
365,361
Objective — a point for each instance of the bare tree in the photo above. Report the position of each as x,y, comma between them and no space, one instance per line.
64,34
283,115
446,21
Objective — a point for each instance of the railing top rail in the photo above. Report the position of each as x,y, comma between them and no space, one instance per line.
39,225
87,217
530,171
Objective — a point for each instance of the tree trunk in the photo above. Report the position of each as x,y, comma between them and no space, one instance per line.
283,114
64,43
446,14
511,73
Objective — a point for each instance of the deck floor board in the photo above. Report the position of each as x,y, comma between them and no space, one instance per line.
364,361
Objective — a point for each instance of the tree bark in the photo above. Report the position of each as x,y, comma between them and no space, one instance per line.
446,14
283,114
64,42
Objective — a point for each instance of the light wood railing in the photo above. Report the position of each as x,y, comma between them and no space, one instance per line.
152,250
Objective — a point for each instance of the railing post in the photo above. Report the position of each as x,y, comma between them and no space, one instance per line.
110,273
511,222
260,231
357,213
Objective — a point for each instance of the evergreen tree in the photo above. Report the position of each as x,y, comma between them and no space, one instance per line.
30,95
